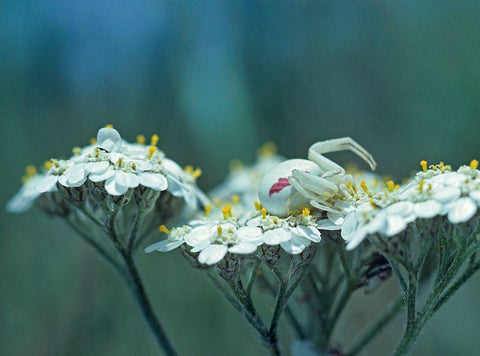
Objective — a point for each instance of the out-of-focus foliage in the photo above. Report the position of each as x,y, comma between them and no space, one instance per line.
215,80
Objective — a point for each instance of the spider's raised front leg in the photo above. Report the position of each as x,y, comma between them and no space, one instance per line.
316,151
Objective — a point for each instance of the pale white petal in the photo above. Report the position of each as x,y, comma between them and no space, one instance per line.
463,210
201,245
164,246
336,218
97,167
109,139
197,235
403,208
308,232
154,181
475,195
21,202
356,238
296,245
75,175
243,248
350,225
395,225
427,209
100,177
276,236
328,225
125,179
47,183
447,194
113,188
250,234
212,254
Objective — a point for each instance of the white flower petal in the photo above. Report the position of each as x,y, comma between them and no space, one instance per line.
97,167
201,245
47,183
113,188
296,245
463,210
427,209
395,225
336,218
308,232
276,236
109,139
349,226
250,234
447,194
212,254
243,248
164,246
125,179
402,208
154,181
475,195
100,177
356,238
328,225
197,235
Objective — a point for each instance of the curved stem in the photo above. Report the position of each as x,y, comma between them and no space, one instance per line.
377,327
136,287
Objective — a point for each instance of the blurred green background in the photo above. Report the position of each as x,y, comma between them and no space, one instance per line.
215,80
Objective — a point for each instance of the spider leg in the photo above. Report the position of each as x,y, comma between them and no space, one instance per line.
339,144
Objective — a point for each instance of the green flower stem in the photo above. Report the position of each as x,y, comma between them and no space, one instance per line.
377,327
288,311
139,218
135,285
100,249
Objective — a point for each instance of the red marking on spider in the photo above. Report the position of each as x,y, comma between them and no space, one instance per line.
277,187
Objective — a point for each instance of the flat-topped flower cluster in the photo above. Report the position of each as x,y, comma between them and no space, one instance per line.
115,164
214,237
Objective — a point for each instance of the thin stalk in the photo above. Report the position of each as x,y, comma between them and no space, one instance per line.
377,327
100,249
135,284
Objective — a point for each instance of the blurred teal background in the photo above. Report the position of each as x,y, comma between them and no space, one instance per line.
215,80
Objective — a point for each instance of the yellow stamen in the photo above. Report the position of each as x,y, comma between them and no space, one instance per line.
151,149
264,213
47,165
474,164
420,186
120,162
397,186
25,179
423,163
197,173
219,230
141,139
429,186
76,150
227,211
275,220
268,149
235,198
188,169
109,126
30,170
390,186
258,206
208,209
164,229
93,141
306,212
235,165
372,203
364,186
154,140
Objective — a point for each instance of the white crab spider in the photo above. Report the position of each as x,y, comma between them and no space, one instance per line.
318,181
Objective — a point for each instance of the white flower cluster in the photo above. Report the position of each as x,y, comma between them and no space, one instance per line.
119,165
435,191
241,185
214,238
